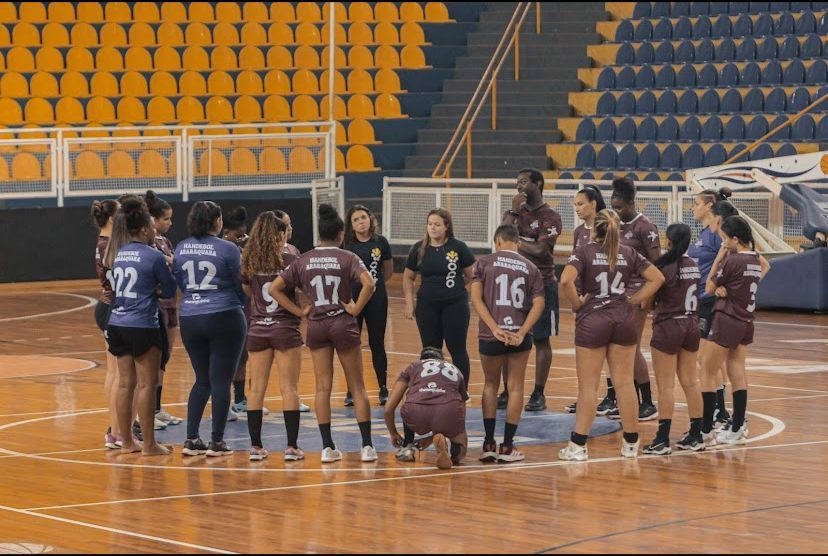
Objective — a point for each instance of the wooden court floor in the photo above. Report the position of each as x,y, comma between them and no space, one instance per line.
60,490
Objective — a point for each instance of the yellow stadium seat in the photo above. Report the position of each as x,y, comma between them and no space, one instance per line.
386,11
412,33
339,157
88,166
198,34
247,109
38,134
243,161
2,62
14,85
5,36
103,84
100,109
167,58
304,57
138,58
39,111
25,34
272,161
218,143
388,106
360,12
212,162
161,132
141,34
309,12
340,36
189,110
152,164
134,84
173,11
360,159
90,12
10,112
340,13
341,136
360,57
20,59
277,82
79,59
386,57
305,82
69,110
44,85
305,108
360,33
280,33
249,83
84,34
252,58
32,11
195,58
360,106
74,84
119,12
276,109
4,169
120,165
109,58
49,58
253,34
339,82
386,33
229,12
25,166
302,160
163,84
61,12
113,34
255,11
413,57
251,141
161,109
201,11
55,34
225,33
361,132
91,132
312,141
170,34
282,11
146,12
127,133
220,83
224,58
411,11
359,81
192,83
131,109
436,12
340,110
8,12
307,33
340,60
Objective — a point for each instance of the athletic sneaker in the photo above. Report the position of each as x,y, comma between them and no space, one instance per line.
110,442
573,452
257,454
303,408
658,448
607,406
721,419
691,443
294,454
383,395
709,439
406,453
167,418
613,413
537,402
369,454
217,449
194,447
232,416
571,408
160,425
443,457
330,455
647,412
265,411
349,400
629,450
489,453
136,431
239,408
509,454
503,400
729,436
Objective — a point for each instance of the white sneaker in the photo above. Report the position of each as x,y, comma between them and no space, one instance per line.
160,425
629,450
369,454
573,452
330,455
167,418
728,436
303,408
406,453
265,411
232,416
294,454
709,439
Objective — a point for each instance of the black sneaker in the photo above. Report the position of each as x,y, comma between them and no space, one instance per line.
658,447
721,419
613,413
606,406
691,443
571,408
537,402
349,400
194,447
503,400
383,395
136,431
219,449
647,412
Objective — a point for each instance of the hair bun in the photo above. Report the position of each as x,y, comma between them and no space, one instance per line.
238,214
327,212
97,208
150,196
725,193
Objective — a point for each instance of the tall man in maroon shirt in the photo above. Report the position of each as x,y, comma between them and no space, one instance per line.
539,226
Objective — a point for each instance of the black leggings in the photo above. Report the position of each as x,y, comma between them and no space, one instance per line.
214,342
375,316
449,321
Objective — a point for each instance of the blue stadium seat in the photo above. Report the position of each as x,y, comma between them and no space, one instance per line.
758,7
624,31
715,155
606,104
756,128
690,129
784,133
768,49
729,76
736,149
719,8
686,76
683,28
736,8
609,176
645,78
643,31
786,150
794,73
763,25
726,50
819,6
606,79
664,52
663,30
751,74
678,9
607,157
587,176
605,131
675,177
628,157
753,101
625,54
666,103
746,50
812,47
652,176
800,6
712,129
585,157
668,130
805,24
734,129
822,26
722,27
693,157
671,156
776,7
626,78
772,74
649,157
789,49
646,102
784,24
817,73
822,130
803,129
762,152
625,130
625,105
666,77
660,9
647,130
645,54
707,76
699,8
731,101
641,9
586,130
566,176
742,27
776,100
709,102
688,102
685,52
705,51
702,27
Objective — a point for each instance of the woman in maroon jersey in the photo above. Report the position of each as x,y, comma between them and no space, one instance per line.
604,327
326,275
508,294
273,332
734,279
675,341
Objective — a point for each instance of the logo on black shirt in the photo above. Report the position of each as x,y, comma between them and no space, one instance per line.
452,257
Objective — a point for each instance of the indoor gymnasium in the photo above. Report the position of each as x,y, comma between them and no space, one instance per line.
284,277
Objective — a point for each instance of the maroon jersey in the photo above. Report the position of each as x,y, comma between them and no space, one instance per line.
542,225
166,247
607,290
642,235
432,382
265,314
292,250
739,273
325,274
101,271
679,296
510,283
582,236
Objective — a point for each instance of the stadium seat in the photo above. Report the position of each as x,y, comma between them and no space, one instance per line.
226,34
688,103
712,129
212,163
685,52
276,108
120,165
705,51
747,49
161,83
605,131
667,103
734,130
804,128
43,84
709,102
585,157
20,59
645,77
138,59
782,134
725,50
646,103
585,130
671,156
104,84
170,34
649,157
625,130
686,76
359,158
690,130
716,155
243,162
628,157
762,152
88,166
174,12
412,57
607,157
647,130
272,161
664,53
776,100
693,157
360,106
625,104
663,30
195,58
280,34
161,109
756,128
666,77
146,12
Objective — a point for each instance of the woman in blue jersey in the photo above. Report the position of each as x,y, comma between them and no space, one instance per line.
213,326
134,333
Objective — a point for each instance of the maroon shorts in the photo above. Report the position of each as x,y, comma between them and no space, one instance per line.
601,327
280,339
730,332
448,419
339,332
671,335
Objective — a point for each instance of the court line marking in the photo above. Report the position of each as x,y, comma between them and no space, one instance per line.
117,531
91,302
788,388
774,323
90,365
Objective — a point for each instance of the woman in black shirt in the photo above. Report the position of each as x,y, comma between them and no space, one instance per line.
442,309
361,238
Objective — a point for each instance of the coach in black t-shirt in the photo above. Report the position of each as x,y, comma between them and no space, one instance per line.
442,308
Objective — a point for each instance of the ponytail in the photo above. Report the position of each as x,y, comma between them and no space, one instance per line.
102,211
679,235
736,226
607,232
